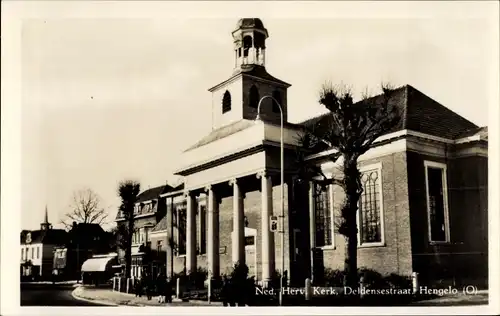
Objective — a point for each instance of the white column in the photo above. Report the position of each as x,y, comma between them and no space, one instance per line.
191,233
238,223
267,236
213,233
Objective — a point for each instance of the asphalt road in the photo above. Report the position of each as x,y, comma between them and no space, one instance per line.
50,295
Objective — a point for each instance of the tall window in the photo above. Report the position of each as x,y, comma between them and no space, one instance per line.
38,252
370,208
437,206
32,253
277,97
203,230
147,236
22,253
323,212
254,97
159,246
181,228
226,102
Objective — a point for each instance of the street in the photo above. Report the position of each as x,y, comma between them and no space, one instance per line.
50,295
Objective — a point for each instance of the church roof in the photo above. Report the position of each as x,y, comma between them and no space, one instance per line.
254,71
222,132
419,113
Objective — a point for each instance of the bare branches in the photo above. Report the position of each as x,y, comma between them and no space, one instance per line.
85,208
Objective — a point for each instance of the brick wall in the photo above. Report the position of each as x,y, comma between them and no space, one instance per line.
395,256
466,253
265,88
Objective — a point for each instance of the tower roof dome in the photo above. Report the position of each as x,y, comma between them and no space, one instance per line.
250,23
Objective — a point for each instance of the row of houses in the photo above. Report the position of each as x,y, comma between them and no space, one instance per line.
48,252
424,206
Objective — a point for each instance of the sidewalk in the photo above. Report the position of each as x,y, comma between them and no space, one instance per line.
480,298
50,282
108,297
111,298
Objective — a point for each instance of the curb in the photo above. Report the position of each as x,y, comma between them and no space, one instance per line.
91,301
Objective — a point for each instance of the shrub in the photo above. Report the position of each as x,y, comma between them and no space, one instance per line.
334,277
240,272
396,281
372,279
198,277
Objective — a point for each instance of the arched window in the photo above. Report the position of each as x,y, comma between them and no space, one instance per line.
226,102
247,43
277,97
254,97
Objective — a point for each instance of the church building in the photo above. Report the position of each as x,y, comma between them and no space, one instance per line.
423,209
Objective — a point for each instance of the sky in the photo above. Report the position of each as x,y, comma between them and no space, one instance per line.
108,97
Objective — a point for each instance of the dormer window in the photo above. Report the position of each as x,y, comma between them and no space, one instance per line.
226,102
254,97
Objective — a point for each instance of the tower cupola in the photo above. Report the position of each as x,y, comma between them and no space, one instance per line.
249,43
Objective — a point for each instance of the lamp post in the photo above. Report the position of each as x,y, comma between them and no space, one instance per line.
282,232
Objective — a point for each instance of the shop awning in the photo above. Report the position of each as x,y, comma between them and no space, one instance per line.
98,264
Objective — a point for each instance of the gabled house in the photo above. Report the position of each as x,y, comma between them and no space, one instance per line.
37,250
148,211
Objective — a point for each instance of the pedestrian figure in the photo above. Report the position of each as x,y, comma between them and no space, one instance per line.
149,286
139,287
227,292
168,290
160,288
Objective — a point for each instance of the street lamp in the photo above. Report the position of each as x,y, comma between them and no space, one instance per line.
282,232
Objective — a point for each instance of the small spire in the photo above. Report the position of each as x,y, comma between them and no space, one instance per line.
46,225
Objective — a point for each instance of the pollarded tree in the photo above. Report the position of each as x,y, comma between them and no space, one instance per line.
348,131
128,191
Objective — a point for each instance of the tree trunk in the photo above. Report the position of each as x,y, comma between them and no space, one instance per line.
351,255
128,249
349,212
128,261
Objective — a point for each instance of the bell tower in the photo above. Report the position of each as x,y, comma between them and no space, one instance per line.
237,98
249,43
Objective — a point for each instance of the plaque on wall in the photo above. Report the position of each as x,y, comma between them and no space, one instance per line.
222,250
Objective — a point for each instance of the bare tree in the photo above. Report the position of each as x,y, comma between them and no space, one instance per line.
349,129
128,191
85,208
